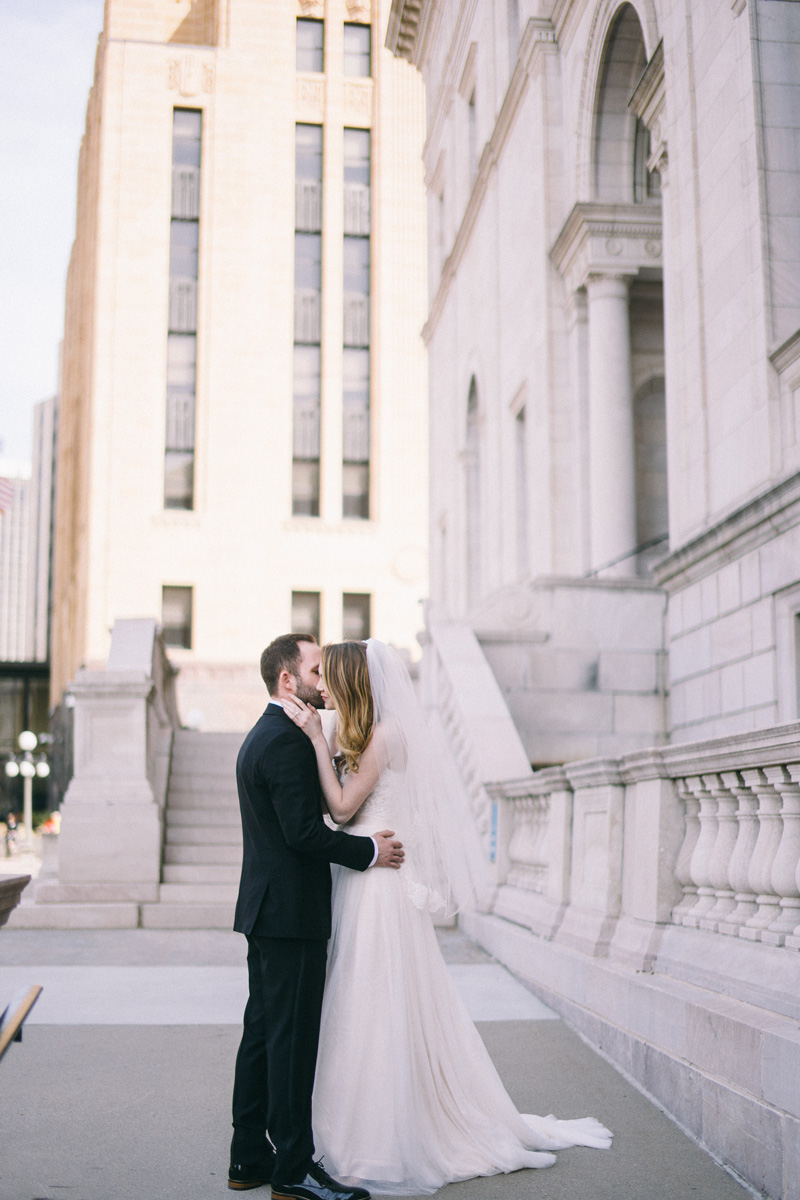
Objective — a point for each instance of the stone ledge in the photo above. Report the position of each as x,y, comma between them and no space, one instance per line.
723,1069
75,916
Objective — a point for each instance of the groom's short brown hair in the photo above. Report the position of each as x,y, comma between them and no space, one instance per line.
282,653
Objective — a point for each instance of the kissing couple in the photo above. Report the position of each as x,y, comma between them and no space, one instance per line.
350,1000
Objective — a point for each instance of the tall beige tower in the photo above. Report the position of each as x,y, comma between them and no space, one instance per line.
243,445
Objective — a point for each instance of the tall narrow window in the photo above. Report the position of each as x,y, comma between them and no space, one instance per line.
176,616
182,335
472,137
513,31
307,320
356,622
306,613
357,56
356,333
310,45
472,485
521,498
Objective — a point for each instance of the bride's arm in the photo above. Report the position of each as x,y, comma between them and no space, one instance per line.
343,802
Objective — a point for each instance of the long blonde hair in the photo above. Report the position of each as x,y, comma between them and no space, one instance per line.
346,677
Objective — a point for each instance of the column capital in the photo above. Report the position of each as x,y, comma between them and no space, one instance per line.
608,239
607,285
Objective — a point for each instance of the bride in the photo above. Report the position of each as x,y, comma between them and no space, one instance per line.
406,1098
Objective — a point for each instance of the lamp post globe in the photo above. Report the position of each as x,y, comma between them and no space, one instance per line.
12,769
27,740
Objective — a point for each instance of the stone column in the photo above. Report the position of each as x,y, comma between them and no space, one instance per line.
611,448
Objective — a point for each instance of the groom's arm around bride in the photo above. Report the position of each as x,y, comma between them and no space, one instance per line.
284,910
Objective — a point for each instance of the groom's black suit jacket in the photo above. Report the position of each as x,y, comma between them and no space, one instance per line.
285,886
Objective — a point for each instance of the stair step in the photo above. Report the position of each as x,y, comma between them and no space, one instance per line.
203,835
225,818
216,854
187,916
198,893
201,799
201,873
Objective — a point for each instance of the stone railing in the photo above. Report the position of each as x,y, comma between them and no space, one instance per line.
112,816
603,855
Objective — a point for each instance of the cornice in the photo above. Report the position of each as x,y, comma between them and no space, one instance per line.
402,33
649,103
607,239
783,356
538,39
773,512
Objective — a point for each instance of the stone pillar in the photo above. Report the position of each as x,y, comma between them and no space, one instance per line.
612,479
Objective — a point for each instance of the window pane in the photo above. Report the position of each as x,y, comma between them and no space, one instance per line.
305,488
181,360
306,371
183,242
176,616
308,261
355,490
356,156
355,616
308,151
186,132
356,265
305,613
355,370
357,50
309,45
178,479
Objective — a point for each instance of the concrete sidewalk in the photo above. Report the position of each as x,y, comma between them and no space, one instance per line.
121,1087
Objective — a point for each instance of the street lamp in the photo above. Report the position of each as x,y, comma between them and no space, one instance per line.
24,765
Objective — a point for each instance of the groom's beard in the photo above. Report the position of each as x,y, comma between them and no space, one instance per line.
308,694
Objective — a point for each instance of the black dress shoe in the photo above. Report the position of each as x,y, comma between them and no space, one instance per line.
242,1176
318,1185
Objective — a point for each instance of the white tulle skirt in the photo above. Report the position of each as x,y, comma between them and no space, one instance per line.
406,1097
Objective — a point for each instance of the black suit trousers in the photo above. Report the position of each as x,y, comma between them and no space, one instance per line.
277,1056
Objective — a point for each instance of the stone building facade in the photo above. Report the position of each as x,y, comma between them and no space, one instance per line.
614,344
243,432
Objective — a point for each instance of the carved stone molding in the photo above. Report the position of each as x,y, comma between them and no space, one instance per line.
405,23
648,102
312,8
310,98
358,102
608,239
189,75
358,10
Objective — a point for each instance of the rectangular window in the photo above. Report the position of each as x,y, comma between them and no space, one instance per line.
357,55
306,432
356,616
307,318
176,616
520,456
355,434
306,613
308,178
310,45
184,243
356,330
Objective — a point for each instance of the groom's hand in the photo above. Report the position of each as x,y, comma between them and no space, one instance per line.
390,852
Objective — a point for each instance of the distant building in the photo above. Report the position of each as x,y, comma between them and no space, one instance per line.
243,431
40,531
14,559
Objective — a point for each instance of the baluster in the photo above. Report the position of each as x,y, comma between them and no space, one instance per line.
784,869
719,865
520,842
739,869
769,836
701,858
683,863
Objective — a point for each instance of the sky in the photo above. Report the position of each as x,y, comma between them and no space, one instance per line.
47,52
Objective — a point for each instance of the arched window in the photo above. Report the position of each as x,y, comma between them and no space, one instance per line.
620,140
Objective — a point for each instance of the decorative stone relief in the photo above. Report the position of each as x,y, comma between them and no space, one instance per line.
189,76
311,8
358,102
310,98
358,10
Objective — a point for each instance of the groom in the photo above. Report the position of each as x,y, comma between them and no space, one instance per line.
284,910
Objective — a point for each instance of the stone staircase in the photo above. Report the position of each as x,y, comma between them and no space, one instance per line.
203,838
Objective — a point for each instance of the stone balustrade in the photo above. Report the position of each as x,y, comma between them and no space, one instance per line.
603,854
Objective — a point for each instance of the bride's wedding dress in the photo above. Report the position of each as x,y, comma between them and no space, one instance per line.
406,1097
